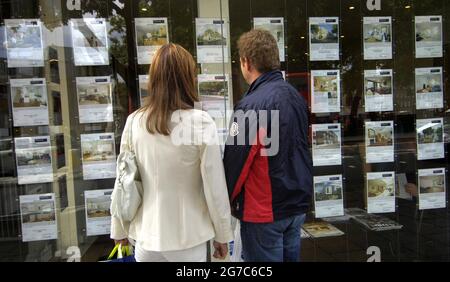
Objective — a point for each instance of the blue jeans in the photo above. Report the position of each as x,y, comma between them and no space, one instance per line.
272,242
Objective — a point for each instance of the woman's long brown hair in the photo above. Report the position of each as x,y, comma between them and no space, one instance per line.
172,86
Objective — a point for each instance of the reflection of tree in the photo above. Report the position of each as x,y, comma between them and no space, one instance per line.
117,35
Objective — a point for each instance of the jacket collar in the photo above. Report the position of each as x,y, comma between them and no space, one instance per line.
266,77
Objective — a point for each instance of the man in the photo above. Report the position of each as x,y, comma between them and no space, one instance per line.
270,185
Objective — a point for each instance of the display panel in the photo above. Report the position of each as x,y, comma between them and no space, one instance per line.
429,88
430,139
326,144
24,43
95,99
38,217
432,188
29,101
90,41
276,27
34,160
98,216
151,34
378,87
98,155
328,196
428,36
381,192
377,38
324,39
211,38
379,141
326,91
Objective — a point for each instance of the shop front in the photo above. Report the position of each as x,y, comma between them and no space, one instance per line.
375,74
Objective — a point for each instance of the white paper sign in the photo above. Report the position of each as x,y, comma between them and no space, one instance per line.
377,33
381,192
432,189
328,196
213,86
276,27
38,217
24,43
143,88
98,216
90,41
326,144
29,102
326,91
151,34
95,99
211,36
429,36
324,39
214,91
98,155
430,139
378,90
429,88
34,160
379,141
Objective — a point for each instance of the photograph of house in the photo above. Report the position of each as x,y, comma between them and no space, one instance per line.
324,33
376,33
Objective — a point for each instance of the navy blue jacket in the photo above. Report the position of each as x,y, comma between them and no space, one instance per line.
266,187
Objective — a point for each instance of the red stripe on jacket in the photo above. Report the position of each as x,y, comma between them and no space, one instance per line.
258,189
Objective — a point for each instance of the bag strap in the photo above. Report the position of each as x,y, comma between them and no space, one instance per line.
113,252
130,134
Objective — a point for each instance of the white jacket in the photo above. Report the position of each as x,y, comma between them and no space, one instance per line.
185,199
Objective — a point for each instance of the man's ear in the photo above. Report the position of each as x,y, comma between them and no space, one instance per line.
246,64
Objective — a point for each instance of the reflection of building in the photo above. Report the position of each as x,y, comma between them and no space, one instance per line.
326,138
430,135
328,190
37,212
211,36
98,207
377,86
429,84
379,137
28,97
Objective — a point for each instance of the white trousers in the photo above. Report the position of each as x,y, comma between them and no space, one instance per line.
195,254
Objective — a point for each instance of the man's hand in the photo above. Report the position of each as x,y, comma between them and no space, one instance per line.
124,242
221,250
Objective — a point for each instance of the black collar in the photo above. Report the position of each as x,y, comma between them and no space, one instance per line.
266,77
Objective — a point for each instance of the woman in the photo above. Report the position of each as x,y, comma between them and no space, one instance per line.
185,200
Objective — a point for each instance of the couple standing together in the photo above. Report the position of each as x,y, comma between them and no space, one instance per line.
190,192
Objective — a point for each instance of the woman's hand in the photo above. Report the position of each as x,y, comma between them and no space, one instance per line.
123,242
221,250
411,189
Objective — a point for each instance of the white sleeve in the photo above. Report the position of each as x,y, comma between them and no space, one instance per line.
214,183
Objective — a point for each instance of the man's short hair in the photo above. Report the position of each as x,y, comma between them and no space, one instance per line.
261,49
